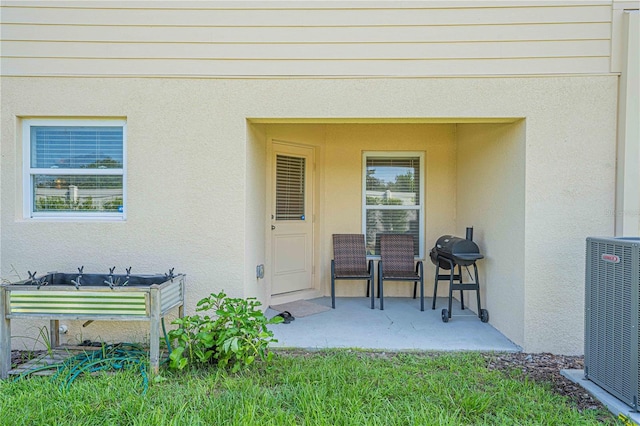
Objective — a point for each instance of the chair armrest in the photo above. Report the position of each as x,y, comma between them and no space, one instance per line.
370,265
419,267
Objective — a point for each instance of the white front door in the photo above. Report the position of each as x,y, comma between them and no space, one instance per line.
291,218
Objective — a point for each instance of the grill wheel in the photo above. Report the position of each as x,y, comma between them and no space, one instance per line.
484,315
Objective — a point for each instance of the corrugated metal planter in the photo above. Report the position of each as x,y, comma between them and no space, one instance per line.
109,297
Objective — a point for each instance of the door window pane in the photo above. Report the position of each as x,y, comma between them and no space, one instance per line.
290,183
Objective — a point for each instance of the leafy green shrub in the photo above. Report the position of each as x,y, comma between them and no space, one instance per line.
232,338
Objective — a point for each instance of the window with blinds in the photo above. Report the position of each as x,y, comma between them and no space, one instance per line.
393,200
74,168
290,188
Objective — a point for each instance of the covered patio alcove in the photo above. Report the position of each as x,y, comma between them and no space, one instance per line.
474,175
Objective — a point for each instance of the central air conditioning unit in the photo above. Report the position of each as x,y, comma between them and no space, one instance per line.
612,311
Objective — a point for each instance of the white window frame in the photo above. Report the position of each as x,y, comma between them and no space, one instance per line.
29,172
420,207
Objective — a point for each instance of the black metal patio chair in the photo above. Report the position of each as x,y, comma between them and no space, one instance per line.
350,263
397,264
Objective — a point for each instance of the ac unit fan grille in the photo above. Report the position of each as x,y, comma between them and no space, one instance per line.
612,334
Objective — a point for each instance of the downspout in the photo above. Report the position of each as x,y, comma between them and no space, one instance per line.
627,209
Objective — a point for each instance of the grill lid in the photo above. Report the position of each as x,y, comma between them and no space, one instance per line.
459,250
451,246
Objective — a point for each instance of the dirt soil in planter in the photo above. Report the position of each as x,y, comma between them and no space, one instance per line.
20,357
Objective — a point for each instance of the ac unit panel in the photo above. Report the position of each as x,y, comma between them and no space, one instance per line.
612,312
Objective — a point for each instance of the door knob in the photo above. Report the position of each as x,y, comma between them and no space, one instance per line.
273,227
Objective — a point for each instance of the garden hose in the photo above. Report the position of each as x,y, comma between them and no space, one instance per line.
108,358
113,357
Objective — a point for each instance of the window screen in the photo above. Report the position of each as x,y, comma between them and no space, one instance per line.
393,200
75,170
76,147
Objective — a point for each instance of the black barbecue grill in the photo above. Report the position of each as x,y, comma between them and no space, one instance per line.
451,252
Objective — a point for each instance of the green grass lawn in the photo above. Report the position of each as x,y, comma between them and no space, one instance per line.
336,387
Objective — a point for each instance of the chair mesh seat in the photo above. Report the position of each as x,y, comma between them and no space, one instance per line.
408,275
397,263
350,262
353,274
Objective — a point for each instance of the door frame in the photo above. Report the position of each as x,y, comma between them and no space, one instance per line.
315,289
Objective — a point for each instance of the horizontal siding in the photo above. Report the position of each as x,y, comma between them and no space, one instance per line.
306,17
197,68
228,40
288,51
391,34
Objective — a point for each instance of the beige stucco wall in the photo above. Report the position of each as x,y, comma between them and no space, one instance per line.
256,164
196,190
570,189
490,182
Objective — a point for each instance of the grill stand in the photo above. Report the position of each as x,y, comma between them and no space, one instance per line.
483,314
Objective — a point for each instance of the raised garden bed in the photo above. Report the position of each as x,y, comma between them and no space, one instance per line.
91,297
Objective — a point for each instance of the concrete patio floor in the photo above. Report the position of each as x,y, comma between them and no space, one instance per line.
400,326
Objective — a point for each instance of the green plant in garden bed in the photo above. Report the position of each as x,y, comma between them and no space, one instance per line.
233,337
